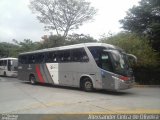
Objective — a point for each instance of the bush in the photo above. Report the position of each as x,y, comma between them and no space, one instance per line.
146,70
136,45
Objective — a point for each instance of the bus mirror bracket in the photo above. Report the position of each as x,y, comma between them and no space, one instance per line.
132,58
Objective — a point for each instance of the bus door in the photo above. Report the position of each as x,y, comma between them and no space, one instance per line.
9,66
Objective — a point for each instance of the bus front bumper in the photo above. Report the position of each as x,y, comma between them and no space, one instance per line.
122,84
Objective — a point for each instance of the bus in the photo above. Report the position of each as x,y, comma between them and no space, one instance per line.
8,67
87,66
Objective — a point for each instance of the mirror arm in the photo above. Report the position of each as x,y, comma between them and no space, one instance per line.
133,56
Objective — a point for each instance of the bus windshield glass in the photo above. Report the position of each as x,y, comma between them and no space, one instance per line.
120,62
111,60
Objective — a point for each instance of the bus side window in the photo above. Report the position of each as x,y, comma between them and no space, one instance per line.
31,59
85,57
106,62
23,59
39,58
79,55
4,62
51,57
96,53
67,56
1,62
64,56
60,56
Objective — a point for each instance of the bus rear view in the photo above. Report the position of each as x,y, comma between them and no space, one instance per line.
8,67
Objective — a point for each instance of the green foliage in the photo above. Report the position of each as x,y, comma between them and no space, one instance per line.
79,38
136,45
26,45
8,49
13,49
145,20
58,40
51,41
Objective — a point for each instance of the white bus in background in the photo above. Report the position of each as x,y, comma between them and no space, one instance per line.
8,67
87,66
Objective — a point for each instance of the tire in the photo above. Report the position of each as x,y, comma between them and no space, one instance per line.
32,79
87,85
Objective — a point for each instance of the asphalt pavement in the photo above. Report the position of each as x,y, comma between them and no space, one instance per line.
23,98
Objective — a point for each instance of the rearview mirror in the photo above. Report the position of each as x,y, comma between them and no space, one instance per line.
132,59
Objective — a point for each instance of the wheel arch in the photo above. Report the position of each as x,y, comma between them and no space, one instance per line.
84,76
31,74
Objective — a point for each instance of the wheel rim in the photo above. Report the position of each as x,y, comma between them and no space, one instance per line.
88,85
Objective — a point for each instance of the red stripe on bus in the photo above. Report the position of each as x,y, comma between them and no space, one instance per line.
39,74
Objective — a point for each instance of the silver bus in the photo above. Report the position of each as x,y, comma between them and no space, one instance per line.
8,67
88,66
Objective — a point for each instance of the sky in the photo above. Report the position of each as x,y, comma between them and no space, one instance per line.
18,22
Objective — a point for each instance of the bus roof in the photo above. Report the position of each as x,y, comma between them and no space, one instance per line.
9,58
74,46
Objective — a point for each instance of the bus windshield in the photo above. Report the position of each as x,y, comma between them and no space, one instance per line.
120,62
111,60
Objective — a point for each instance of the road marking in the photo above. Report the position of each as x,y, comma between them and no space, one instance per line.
50,104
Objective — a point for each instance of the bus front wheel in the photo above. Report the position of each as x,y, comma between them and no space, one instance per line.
32,79
87,85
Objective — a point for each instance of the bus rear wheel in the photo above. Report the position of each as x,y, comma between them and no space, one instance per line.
32,79
87,85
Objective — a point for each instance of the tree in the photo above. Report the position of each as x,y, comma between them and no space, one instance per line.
57,40
79,38
26,45
51,41
145,21
8,49
136,45
62,15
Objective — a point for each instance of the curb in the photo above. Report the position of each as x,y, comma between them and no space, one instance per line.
144,86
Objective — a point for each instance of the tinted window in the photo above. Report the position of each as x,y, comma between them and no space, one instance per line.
22,59
106,63
102,58
96,53
64,56
79,55
31,59
39,58
3,63
51,57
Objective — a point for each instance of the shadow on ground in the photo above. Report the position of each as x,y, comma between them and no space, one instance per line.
107,92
